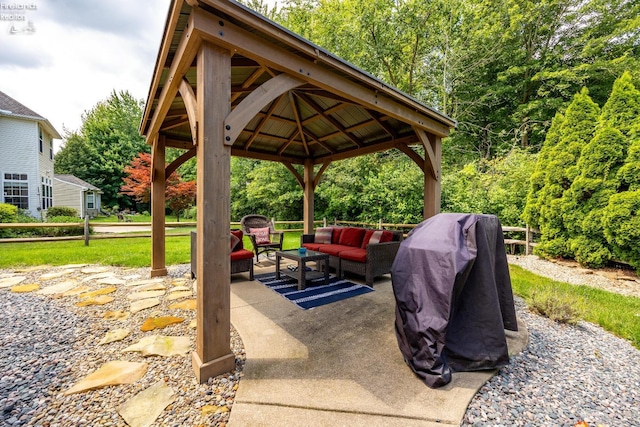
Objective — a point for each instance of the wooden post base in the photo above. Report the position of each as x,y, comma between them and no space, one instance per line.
158,272
215,367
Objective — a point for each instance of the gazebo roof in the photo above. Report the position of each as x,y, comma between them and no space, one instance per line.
331,110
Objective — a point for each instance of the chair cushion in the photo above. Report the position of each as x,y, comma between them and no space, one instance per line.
357,255
323,235
233,241
352,236
241,254
238,234
262,235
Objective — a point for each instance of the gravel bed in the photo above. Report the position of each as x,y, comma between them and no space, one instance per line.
48,344
566,374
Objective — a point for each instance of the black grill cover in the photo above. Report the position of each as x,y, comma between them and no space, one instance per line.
453,296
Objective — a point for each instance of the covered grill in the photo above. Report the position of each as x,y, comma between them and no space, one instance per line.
453,296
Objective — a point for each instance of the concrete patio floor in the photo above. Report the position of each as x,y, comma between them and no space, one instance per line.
337,364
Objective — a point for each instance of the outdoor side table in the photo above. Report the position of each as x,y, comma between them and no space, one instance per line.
302,275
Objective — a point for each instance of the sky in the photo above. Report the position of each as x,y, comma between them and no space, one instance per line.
61,57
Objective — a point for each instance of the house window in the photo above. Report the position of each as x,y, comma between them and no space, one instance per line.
90,201
40,141
51,149
47,193
16,190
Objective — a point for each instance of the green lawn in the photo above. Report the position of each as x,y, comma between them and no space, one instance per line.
616,313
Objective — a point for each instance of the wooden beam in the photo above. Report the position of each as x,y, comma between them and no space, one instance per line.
182,60
263,122
307,214
171,124
374,148
296,115
213,355
288,142
179,161
321,143
158,185
295,173
412,155
247,83
314,105
316,180
189,98
238,152
313,68
429,153
252,104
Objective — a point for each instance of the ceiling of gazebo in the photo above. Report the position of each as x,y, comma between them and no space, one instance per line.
323,118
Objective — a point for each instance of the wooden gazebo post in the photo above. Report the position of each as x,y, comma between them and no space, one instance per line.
158,178
308,197
213,354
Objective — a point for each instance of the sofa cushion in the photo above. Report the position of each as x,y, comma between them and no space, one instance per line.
335,235
357,255
311,246
333,249
323,235
352,236
238,234
233,241
241,254
262,235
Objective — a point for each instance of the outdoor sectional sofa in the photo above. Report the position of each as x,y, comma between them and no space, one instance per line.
241,259
366,252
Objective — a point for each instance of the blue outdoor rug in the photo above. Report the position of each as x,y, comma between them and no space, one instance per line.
314,295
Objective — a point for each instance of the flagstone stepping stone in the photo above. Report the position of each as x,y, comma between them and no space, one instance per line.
111,373
151,287
95,269
21,289
76,291
180,288
144,295
115,335
143,409
72,266
189,304
193,324
11,281
98,276
55,274
179,282
160,345
132,277
213,409
177,295
99,300
110,281
160,322
101,291
58,288
145,282
142,304
31,269
116,315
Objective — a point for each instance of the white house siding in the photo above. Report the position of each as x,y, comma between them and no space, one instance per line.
67,195
19,153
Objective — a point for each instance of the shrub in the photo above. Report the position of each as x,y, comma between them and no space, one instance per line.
8,213
559,308
191,213
63,231
56,211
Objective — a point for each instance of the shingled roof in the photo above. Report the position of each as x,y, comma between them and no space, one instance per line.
9,107
71,179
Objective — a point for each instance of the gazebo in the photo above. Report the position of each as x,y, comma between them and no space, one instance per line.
229,82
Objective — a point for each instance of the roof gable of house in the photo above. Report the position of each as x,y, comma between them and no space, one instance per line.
9,107
73,180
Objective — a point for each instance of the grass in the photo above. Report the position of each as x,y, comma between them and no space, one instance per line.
615,313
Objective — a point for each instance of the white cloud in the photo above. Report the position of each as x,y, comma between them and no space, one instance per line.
78,52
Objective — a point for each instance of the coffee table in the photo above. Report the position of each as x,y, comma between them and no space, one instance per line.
302,275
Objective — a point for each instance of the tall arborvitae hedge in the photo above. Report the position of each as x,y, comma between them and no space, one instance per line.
576,131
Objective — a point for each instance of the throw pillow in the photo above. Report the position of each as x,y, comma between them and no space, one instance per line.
262,235
323,235
381,236
238,234
233,241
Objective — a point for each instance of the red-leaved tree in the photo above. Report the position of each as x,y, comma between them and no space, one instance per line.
137,184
